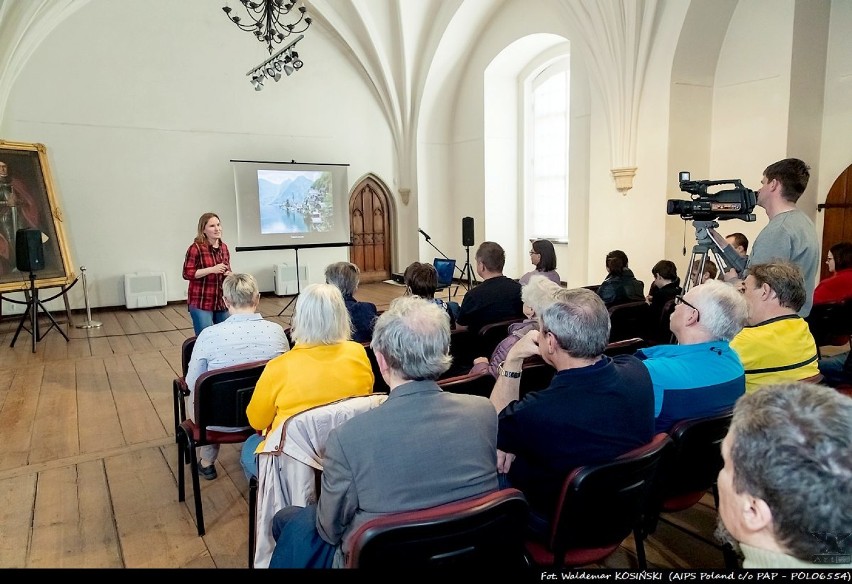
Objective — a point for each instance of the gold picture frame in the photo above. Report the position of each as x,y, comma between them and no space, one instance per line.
28,201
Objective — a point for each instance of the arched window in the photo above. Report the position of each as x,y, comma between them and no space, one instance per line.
547,133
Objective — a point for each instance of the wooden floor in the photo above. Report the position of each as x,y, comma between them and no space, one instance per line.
88,458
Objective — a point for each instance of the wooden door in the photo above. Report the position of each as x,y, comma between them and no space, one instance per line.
370,222
837,225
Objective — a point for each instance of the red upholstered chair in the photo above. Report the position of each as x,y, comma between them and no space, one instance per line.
492,335
689,471
179,388
599,507
630,320
221,397
480,532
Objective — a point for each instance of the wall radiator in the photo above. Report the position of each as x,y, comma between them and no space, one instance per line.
145,289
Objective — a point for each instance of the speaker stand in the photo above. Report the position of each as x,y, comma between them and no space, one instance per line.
32,313
467,271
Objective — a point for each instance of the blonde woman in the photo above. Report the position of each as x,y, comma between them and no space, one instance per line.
206,264
322,366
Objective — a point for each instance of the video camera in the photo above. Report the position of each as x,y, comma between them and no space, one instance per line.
736,203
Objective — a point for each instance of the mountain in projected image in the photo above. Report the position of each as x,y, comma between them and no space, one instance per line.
294,190
295,201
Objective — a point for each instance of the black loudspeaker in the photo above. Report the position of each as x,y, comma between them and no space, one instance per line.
467,230
29,250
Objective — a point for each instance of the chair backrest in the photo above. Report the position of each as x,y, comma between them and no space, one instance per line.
446,269
186,355
493,334
379,384
482,531
629,320
693,462
625,347
221,395
831,323
536,375
601,504
471,384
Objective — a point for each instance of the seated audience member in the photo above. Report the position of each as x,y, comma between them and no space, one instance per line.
323,366
494,299
739,242
422,281
543,257
421,448
345,275
700,375
620,285
665,287
838,286
241,338
537,294
595,409
785,491
710,272
837,369
777,344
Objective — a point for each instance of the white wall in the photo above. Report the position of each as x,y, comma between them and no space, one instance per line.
141,106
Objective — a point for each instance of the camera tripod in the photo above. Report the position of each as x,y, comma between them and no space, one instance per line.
33,306
706,243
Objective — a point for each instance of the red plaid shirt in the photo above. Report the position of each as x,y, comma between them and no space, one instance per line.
205,293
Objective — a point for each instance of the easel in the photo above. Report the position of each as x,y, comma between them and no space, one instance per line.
298,284
33,305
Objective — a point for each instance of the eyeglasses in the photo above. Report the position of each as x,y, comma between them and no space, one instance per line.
679,300
829,259
533,252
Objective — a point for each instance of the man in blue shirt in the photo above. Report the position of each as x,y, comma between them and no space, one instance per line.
700,376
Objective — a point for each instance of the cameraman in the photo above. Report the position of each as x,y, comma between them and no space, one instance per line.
790,234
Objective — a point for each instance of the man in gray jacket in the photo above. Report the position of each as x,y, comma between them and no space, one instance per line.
421,448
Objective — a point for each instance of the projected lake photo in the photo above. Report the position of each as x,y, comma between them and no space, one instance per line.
294,201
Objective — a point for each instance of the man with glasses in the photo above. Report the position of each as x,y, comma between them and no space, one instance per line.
701,375
777,344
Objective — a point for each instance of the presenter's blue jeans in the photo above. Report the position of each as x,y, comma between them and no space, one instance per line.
201,319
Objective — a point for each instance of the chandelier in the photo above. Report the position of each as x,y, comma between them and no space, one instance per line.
268,17
284,61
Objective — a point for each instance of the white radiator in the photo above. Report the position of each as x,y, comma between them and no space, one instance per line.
285,279
145,289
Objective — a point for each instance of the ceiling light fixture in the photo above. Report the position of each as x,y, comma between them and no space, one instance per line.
267,19
286,60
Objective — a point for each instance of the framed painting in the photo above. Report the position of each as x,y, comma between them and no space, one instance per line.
28,201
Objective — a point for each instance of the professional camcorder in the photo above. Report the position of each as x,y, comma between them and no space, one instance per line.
736,203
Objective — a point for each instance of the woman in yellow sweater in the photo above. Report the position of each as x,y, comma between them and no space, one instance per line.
323,366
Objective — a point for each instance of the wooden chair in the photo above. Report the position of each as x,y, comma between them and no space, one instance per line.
600,505
221,397
480,532
629,320
689,471
179,389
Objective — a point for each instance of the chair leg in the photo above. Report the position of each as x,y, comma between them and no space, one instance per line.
181,450
252,508
640,548
196,487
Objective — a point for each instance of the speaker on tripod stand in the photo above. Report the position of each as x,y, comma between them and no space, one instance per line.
29,257
467,241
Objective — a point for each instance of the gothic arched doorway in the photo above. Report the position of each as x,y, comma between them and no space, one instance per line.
837,225
370,219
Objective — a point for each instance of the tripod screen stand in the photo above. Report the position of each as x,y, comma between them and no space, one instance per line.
298,285
31,313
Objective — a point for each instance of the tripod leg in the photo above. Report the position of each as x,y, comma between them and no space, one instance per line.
20,325
34,315
52,321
